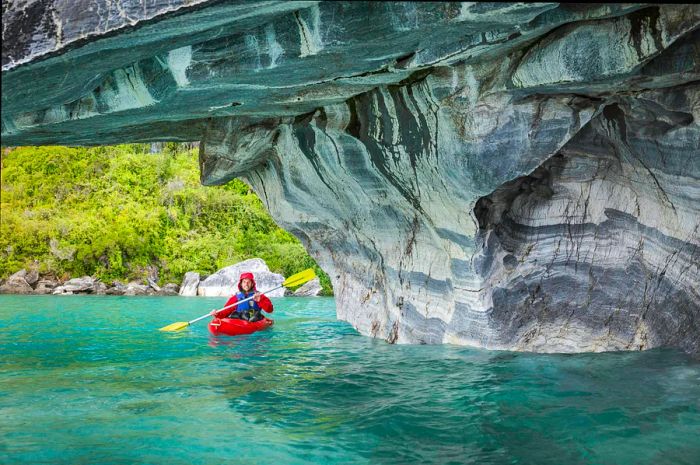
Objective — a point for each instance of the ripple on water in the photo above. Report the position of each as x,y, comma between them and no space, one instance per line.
99,384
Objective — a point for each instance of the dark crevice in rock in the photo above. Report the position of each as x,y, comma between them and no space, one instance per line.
650,18
415,77
307,139
491,209
355,125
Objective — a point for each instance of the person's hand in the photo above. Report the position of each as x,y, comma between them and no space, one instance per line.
256,296
213,313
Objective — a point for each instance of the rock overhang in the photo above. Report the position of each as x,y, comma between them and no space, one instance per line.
468,173
181,65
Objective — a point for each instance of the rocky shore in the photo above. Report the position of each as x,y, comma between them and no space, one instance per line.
31,282
220,284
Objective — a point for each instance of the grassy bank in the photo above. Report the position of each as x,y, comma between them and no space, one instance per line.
114,212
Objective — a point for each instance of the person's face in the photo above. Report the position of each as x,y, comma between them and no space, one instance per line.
247,284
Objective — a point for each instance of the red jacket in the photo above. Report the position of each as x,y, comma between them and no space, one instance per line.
265,304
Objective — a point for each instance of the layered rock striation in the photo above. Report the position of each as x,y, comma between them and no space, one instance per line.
509,176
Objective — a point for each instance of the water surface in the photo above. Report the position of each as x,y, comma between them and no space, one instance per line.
89,379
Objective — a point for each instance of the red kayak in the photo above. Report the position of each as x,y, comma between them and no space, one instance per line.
235,326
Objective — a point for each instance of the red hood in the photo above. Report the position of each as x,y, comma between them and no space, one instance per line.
246,276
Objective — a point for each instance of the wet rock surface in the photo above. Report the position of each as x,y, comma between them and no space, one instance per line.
510,176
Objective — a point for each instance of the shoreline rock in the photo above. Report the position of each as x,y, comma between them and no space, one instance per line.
32,282
224,282
16,284
189,284
311,289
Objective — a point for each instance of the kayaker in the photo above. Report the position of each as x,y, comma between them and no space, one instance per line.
250,310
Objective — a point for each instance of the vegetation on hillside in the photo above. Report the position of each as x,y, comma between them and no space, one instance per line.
113,212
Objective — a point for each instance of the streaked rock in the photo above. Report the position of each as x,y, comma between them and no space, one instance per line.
190,283
153,285
309,289
225,281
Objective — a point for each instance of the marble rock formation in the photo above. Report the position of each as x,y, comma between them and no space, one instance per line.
190,283
310,289
502,175
224,282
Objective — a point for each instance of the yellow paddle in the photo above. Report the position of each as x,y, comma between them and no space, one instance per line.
294,280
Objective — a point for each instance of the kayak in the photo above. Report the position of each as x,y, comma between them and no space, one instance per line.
235,326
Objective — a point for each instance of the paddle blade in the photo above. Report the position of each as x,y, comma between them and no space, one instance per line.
299,278
180,325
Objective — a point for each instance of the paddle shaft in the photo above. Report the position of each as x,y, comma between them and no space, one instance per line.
233,304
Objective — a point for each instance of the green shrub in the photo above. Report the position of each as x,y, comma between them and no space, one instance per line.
110,212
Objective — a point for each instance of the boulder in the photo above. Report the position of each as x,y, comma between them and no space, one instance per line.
16,285
310,289
136,288
19,274
170,289
32,277
225,281
152,284
45,286
117,288
82,285
100,288
189,284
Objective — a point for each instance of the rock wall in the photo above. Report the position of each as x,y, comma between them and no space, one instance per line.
509,176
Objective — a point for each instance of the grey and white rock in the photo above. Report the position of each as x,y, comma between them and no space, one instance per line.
136,288
117,288
190,283
170,289
32,277
16,285
511,176
45,286
225,281
19,274
153,285
310,289
100,288
84,284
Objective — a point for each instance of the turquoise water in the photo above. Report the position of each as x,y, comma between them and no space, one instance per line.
89,380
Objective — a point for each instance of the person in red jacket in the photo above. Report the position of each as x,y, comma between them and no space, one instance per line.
250,310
